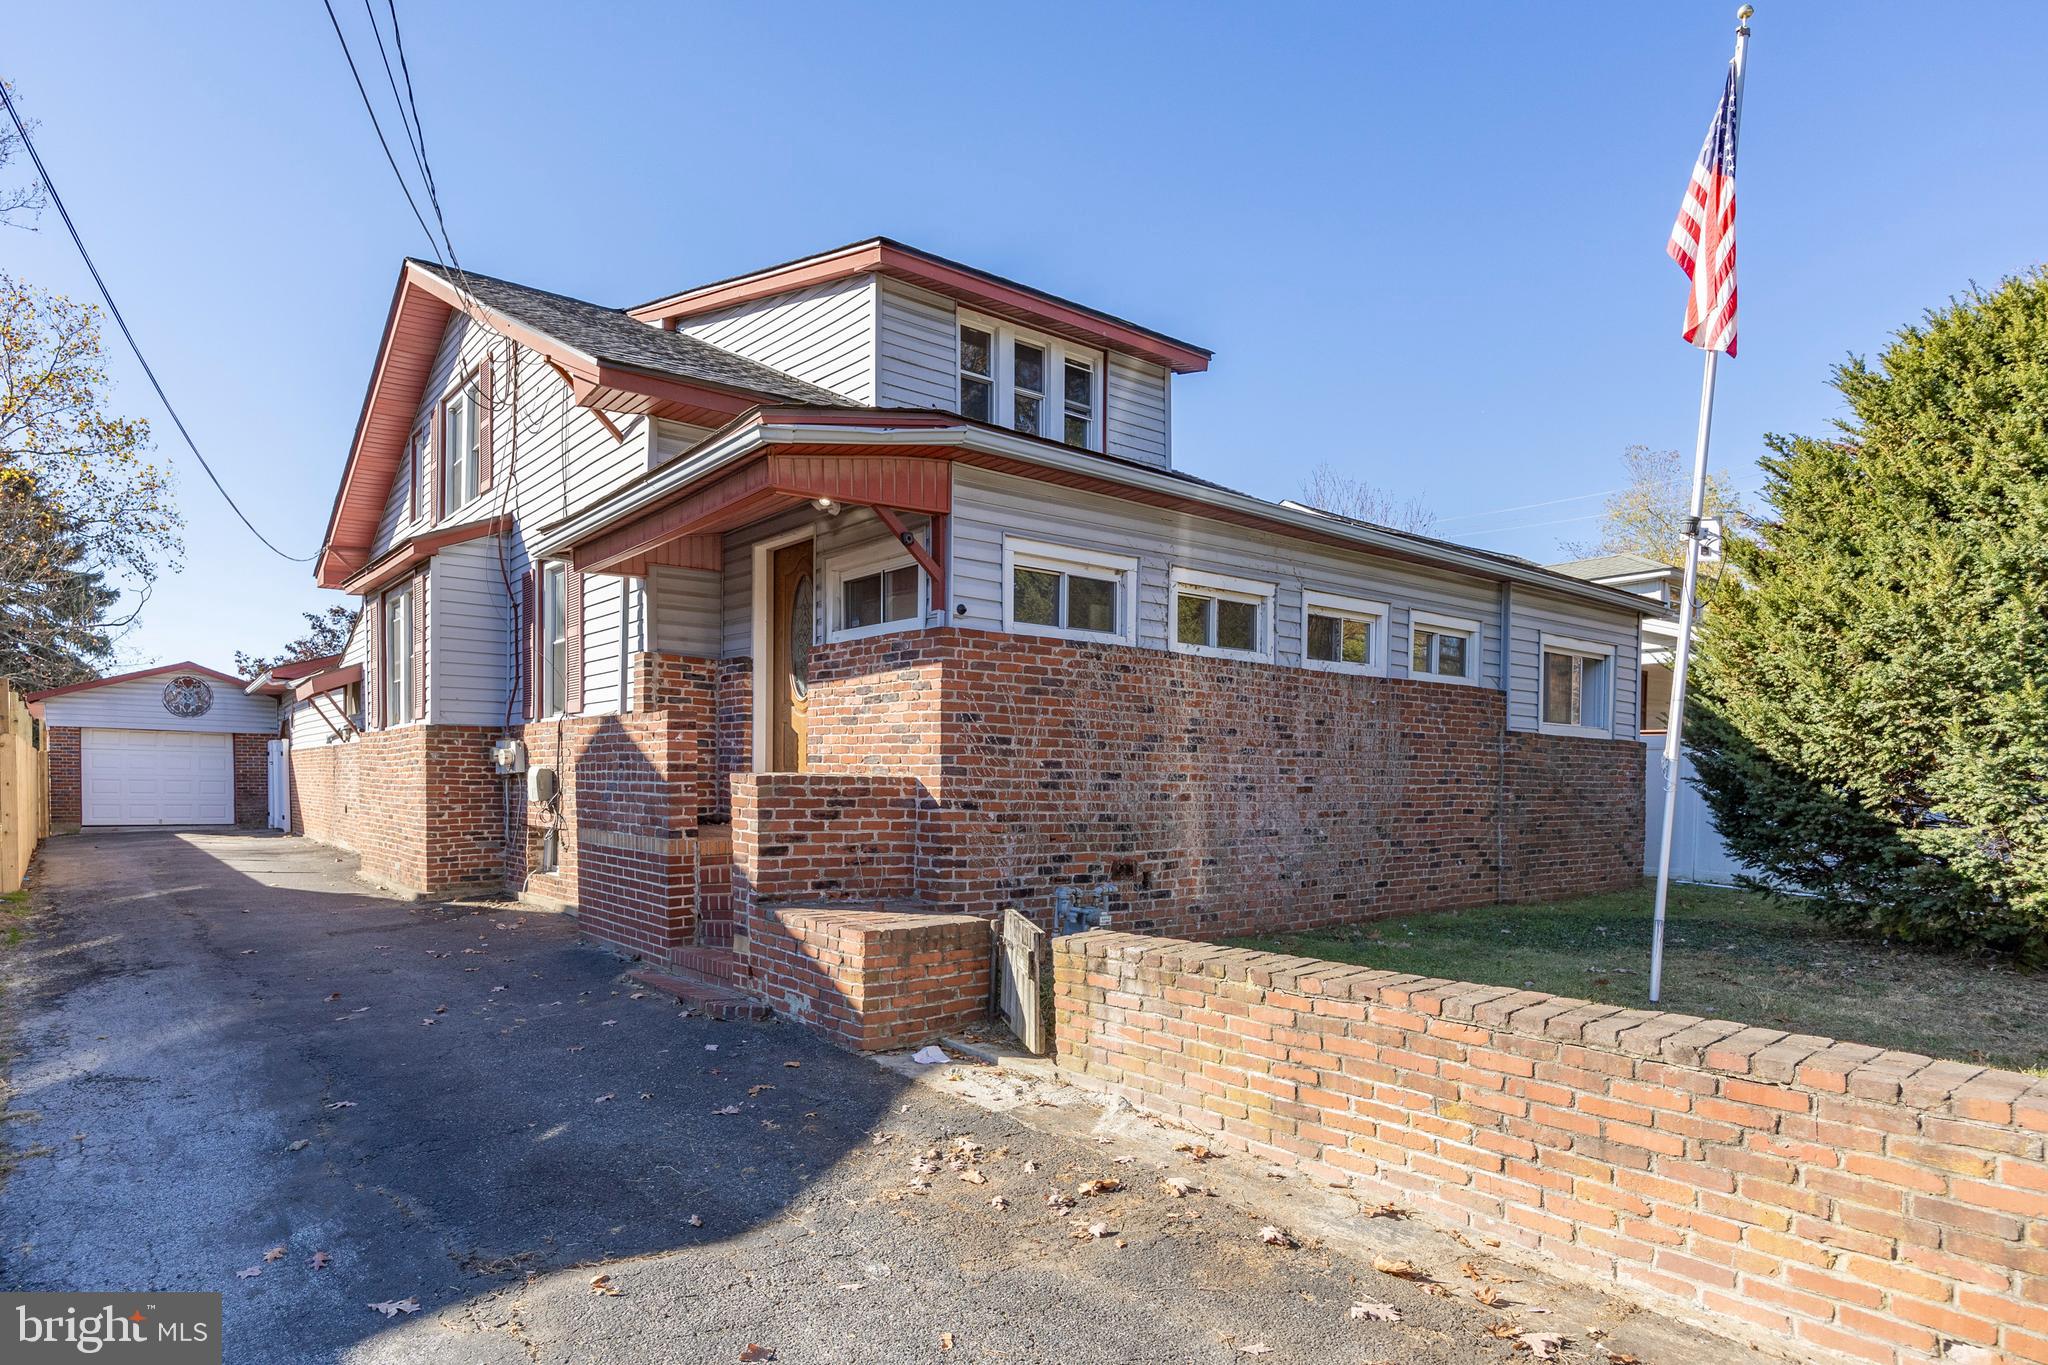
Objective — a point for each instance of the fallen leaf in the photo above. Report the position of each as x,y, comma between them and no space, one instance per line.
1100,1185
1400,1269
1196,1150
974,1177
249,1274
274,1254
753,1352
1623,1358
1098,1231
1056,1200
637,995
1541,1345
321,1260
1375,1312
999,1203
248,952
603,1285
1488,1295
945,1341
608,1023
696,1220
602,1098
334,996
1387,1211
1469,1271
1503,1331
754,1090
391,1308
1257,1348
1274,1237
342,1104
728,1109
301,1145
792,1065
711,1047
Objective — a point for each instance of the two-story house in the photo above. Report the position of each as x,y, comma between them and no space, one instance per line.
870,577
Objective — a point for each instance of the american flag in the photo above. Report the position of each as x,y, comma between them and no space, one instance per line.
1703,238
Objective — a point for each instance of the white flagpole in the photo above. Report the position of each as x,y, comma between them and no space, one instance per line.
1675,727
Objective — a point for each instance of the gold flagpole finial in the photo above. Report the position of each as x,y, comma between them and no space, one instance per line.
1742,16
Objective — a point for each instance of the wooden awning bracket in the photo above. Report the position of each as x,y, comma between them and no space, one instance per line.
933,569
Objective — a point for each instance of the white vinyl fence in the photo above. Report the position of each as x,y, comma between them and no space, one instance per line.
1697,854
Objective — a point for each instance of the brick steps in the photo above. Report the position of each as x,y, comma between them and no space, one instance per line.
711,963
712,997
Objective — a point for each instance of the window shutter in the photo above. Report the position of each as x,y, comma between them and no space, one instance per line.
373,676
486,421
529,645
419,645
416,447
435,432
572,684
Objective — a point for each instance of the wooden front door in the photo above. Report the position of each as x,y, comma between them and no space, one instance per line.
789,651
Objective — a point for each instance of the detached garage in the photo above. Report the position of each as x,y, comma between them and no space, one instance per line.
178,745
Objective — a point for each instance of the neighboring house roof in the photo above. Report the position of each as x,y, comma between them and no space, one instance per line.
186,667
613,335
978,288
275,680
1601,567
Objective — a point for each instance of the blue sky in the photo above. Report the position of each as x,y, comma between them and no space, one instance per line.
1425,243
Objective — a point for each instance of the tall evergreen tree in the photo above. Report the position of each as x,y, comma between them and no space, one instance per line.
1871,719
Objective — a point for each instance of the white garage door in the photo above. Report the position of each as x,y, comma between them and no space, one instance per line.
157,777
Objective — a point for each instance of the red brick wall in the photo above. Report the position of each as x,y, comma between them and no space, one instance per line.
871,979
419,804
66,796
633,789
1219,796
823,836
251,777
1838,1201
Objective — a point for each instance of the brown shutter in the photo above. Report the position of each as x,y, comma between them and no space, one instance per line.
436,429
373,677
487,419
419,645
572,684
417,455
529,645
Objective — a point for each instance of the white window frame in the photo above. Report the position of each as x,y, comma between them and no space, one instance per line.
1445,625
1052,414
878,557
553,683
1582,650
1373,615
395,687
1201,583
461,465
1019,553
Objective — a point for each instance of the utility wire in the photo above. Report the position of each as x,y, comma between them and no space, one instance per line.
113,308
378,125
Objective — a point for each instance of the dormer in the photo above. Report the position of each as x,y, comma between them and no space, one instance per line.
888,326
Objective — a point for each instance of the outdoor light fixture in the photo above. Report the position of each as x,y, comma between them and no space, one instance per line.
826,505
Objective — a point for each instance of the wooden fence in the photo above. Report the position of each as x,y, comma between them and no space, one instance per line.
24,787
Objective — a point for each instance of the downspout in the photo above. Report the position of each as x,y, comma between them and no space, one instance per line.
1500,806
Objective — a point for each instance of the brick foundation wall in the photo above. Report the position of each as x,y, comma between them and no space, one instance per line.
252,779
66,760
419,804
1220,797
633,789
827,836
1829,1198
870,979
1574,818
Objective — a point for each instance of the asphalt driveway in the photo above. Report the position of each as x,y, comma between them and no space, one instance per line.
222,1045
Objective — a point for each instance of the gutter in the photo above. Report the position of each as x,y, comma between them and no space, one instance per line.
722,449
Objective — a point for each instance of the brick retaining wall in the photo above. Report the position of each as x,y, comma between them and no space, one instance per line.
871,979
418,804
1839,1201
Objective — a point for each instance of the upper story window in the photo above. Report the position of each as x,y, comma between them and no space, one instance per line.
1442,647
1067,592
1222,616
461,450
1578,687
554,639
1344,634
397,680
872,591
1039,385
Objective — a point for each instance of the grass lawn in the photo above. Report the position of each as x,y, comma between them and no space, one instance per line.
1727,955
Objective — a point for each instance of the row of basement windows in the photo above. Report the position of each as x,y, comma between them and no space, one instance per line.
1085,595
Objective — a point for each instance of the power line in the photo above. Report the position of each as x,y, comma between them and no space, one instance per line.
114,309
1532,506
378,125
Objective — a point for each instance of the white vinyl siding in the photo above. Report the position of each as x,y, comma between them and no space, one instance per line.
915,349
138,704
1140,411
683,609
469,636
605,642
824,334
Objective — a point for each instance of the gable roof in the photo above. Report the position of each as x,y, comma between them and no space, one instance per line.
1612,566
614,336
187,666
980,289
611,361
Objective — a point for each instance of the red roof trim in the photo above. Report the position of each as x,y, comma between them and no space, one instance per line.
186,667
396,564
299,668
990,293
332,681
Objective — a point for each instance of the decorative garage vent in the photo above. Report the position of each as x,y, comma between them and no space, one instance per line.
188,696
